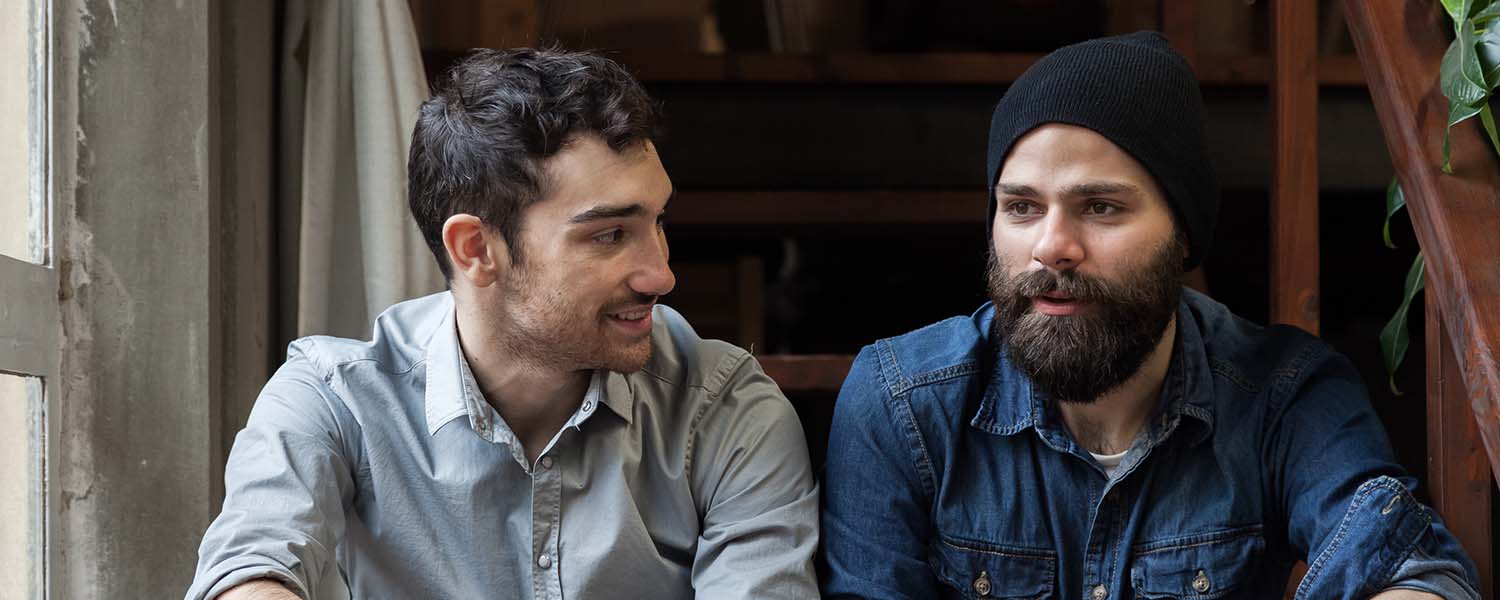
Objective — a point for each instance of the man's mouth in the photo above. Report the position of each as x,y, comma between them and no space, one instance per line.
1056,304
634,320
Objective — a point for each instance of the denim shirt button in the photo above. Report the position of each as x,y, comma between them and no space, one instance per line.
982,584
1201,582
1099,593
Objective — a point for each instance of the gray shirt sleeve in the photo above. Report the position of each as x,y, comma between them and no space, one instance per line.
754,487
287,483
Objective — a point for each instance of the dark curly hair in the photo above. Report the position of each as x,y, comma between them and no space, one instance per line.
496,117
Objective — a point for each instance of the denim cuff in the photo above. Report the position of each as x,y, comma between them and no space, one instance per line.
1376,536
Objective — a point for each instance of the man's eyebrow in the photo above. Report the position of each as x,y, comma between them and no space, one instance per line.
1011,189
1103,188
600,213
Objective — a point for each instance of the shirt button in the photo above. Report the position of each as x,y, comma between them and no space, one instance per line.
982,584
1201,582
588,406
546,464
544,561
1099,593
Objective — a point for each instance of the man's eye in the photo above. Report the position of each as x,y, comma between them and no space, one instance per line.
1101,208
1020,209
609,237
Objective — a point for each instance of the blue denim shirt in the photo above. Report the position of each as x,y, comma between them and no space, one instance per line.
947,476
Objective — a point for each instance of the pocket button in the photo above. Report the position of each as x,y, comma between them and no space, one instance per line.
1201,582
982,584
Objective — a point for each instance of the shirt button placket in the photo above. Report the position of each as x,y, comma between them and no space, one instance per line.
548,489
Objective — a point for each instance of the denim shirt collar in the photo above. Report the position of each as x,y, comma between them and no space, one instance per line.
1010,405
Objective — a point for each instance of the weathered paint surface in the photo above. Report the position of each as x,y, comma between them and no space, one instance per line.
135,211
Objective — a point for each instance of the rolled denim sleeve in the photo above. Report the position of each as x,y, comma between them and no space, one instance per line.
286,485
1349,506
755,491
875,503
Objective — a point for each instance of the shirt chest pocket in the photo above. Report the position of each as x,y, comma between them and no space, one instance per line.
979,570
1199,567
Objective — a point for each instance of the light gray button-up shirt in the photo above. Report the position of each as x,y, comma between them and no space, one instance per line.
377,470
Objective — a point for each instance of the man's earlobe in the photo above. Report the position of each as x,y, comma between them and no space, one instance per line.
478,255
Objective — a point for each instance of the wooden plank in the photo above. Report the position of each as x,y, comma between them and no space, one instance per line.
1455,215
751,294
924,68
459,26
1294,166
1179,22
1457,468
807,372
814,207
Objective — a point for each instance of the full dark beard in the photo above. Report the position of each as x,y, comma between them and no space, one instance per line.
1080,357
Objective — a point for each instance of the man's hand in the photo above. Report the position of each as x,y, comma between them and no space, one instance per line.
1405,595
266,589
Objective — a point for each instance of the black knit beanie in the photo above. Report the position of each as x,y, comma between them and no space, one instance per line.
1136,92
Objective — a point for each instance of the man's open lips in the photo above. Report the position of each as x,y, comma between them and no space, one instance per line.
633,320
1056,304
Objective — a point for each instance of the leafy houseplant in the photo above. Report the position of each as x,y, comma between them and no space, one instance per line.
1470,75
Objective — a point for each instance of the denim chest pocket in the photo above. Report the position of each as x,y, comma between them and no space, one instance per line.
981,570
1202,566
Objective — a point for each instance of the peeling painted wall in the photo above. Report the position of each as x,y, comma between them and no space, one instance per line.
135,173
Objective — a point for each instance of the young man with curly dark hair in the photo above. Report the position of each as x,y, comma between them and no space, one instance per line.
545,429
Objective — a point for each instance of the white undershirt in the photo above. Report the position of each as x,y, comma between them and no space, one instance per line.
1110,462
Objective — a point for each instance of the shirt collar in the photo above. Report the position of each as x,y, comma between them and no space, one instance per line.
444,396
452,392
1009,405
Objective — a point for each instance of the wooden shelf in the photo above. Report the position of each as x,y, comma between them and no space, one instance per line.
807,372
834,207
906,69
927,68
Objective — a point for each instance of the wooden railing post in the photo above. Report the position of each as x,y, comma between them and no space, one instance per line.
1294,169
1456,217
1458,472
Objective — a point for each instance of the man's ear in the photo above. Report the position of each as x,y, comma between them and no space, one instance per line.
475,251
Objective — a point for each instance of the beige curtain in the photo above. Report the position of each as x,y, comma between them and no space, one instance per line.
352,83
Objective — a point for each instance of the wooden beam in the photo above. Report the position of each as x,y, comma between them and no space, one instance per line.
807,372
1455,215
922,68
1458,472
833,207
1294,168
1179,22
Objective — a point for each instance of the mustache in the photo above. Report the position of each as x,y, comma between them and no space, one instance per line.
632,300
1079,286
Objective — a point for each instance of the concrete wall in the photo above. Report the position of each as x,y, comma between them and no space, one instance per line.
136,169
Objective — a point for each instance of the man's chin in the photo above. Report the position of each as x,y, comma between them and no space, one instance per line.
628,359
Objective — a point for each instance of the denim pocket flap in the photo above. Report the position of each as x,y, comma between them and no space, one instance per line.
982,570
1201,566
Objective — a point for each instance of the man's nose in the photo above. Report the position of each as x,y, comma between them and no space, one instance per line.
1058,246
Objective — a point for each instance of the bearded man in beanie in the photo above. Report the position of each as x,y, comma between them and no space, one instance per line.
1097,431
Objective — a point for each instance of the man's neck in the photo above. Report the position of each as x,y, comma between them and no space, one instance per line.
1109,425
535,400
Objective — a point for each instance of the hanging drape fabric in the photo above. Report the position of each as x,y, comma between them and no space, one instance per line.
352,84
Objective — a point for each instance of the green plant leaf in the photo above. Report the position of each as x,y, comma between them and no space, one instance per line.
1486,14
1395,200
1462,76
1487,117
1456,114
1457,9
1395,337
1488,49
